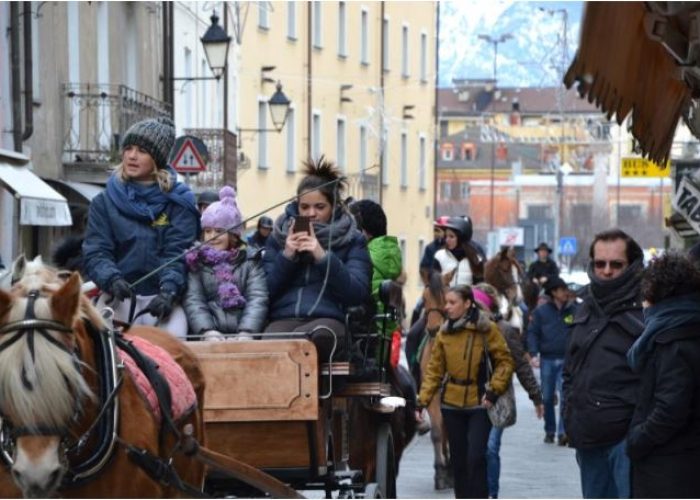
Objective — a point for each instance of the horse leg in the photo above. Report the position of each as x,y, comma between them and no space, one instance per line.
438,437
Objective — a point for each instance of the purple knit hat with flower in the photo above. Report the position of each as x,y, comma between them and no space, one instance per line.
224,214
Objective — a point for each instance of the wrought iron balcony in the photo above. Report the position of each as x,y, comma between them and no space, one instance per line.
96,117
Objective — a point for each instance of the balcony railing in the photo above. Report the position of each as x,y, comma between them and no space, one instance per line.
96,118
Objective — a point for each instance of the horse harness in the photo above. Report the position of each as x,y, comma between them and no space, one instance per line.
107,419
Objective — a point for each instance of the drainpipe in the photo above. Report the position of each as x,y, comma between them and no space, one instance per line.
16,90
436,139
28,74
168,84
309,51
382,140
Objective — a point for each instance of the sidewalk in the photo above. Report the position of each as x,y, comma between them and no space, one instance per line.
529,467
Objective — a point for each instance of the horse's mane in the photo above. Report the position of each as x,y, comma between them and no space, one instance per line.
41,390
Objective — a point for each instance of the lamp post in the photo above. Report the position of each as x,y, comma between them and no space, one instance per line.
279,110
495,42
215,43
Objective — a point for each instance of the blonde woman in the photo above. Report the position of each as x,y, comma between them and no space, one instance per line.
143,219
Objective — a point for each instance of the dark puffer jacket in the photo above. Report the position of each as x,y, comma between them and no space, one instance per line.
539,269
295,286
201,301
600,389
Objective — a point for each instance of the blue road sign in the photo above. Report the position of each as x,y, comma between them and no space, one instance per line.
567,245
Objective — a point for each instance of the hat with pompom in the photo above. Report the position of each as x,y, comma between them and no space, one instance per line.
156,136
224,214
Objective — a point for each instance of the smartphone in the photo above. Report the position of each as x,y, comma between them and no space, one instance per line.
301,224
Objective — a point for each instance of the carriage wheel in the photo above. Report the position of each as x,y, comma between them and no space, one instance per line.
385,472
372,491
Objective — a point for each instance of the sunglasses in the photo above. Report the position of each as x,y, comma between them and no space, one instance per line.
617,265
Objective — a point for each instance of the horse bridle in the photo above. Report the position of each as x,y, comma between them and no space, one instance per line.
31,325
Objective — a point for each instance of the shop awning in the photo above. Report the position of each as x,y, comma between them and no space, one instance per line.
83,189
40,204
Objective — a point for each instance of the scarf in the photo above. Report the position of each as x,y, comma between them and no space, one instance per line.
343,228
222,263
662,317
611,296
146,202
474,317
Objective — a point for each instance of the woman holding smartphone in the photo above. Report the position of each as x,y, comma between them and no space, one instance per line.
317,262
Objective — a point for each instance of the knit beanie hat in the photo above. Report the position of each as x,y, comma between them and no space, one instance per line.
156,136
224,214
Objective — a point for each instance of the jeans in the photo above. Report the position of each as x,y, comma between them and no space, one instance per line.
493,460
605,471
550,374
468,434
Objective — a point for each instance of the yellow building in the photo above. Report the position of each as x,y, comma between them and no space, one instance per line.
353,71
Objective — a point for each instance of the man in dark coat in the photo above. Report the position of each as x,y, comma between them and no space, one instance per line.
600,388
544,268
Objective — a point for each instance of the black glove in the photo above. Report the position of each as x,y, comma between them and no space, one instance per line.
120,290
162,305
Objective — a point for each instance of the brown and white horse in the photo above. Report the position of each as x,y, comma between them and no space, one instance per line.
504,273
434,305
50,396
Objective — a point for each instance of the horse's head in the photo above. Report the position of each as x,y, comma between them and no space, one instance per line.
41,385
434,303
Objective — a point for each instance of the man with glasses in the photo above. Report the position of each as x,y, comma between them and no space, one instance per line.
600,389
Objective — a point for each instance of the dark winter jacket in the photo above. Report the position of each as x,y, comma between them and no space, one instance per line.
666,420
522,366
119,244
295,285
548,331
538,269
600,389
201,301
426,261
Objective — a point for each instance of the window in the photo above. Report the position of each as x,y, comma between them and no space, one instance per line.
630,215
445,190
292,20
444,128
421,250
463,190
291,141
404,160
262,136
363,150
189,103
404,51
422,160
402,246
342,30
424,58
539,212
263,15
385,44
468,151
385,158
364,38
318,25
447,152
340,145
316,135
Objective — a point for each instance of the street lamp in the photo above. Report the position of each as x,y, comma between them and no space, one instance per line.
495,42
216,43
279,110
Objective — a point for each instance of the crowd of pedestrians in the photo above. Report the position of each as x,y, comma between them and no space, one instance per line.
621,361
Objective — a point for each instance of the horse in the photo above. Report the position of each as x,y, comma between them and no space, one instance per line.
52,399
433,315
504,273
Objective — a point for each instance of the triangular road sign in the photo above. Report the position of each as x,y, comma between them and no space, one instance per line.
188,159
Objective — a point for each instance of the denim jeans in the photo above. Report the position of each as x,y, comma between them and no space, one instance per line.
605,471
493,460
550,374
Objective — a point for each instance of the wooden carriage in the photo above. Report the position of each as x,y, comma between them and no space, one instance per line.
310,424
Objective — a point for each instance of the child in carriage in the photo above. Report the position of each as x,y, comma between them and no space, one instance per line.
318,268
226,289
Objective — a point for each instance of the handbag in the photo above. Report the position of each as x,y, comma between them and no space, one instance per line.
503,412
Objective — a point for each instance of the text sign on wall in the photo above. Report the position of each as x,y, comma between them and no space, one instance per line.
511,236
687,203
641,167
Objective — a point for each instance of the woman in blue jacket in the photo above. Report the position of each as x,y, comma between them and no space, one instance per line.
314,274
143,219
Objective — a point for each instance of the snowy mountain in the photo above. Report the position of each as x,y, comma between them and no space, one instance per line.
534,57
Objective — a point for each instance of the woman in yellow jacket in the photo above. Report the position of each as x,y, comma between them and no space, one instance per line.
458,365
